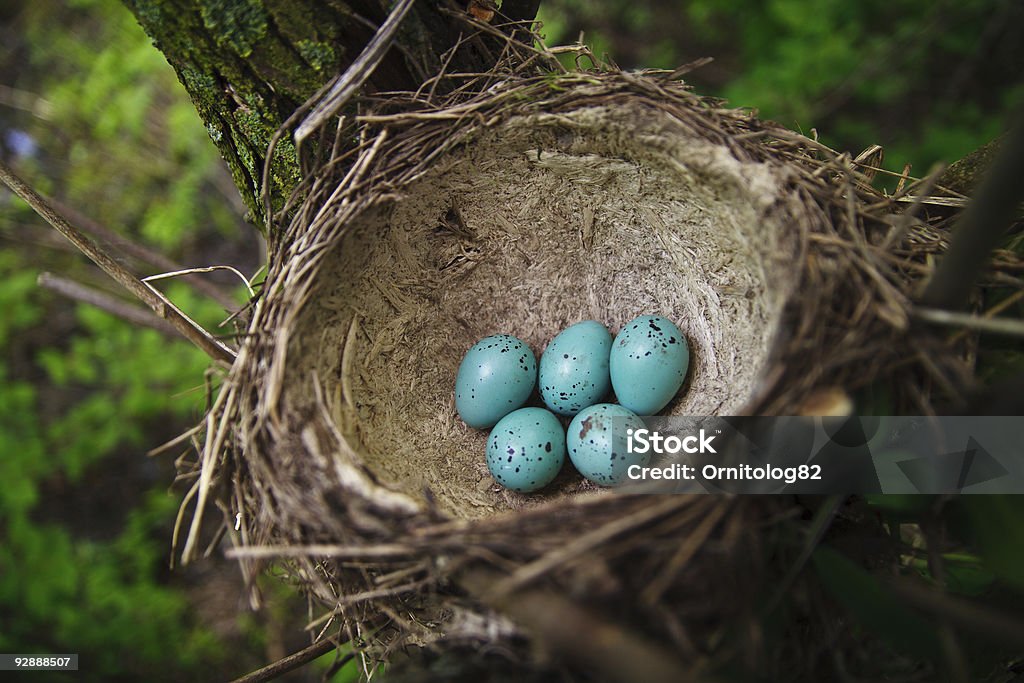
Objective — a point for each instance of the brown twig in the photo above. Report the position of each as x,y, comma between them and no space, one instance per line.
353,78
976,618
142,253
594,643
87,295
159,304
952,649
292,662
1004,326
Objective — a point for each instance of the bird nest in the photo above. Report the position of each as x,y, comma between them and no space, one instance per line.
521,203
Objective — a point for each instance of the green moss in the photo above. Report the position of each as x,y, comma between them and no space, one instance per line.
237,24
215,132
201,87
320,56
148,12
258,131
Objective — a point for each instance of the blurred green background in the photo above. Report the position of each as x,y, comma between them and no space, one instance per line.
92,115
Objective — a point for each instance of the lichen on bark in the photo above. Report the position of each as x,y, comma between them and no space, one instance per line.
248,64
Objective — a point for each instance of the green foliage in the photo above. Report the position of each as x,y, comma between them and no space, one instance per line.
929,82
874,606
138,154
239,25
993,524
84,395
965,574
73,593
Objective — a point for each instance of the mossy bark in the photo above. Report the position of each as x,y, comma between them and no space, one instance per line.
248,64
962,176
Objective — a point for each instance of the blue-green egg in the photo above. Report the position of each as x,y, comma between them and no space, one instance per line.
574,368
496,376
648,363
526,449
598,445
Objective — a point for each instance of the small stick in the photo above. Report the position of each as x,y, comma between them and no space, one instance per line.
87,295
615,652
380,551
142,253
355,75
1006,326
976,618
992,313
292,662
163,308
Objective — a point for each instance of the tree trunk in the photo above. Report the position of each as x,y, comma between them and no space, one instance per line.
248,64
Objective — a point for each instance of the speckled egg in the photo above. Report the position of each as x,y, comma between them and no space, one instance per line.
496,376
648,363
574,368
597,444
526,449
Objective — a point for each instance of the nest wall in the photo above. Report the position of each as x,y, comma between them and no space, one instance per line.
522,205
526,228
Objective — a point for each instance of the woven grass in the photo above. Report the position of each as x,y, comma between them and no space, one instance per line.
520,201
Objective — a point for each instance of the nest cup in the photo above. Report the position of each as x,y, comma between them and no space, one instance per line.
603,213
521,206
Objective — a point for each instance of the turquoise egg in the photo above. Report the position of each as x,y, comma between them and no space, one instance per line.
598,445
574,368
526,449
496,376
648,364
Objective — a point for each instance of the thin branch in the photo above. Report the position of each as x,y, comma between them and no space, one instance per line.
976,618
354,77
383,550
991,313
816,531
34,104
292,662
603,646
87,295
1005,326
953,650
159,304
984,222
142,253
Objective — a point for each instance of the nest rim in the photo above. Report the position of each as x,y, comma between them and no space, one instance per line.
392,535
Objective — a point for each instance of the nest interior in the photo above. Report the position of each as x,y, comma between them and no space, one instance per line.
522,203
603,213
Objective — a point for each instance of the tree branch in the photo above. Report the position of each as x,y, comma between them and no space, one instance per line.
87,295
143,253
601,646
963,175
983,223
249,65
291,662
159,304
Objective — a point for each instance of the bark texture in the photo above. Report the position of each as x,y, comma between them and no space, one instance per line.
248,64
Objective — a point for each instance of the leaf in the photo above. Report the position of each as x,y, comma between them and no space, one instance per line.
874,606
996,525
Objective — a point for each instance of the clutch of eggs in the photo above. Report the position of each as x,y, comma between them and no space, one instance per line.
645,365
